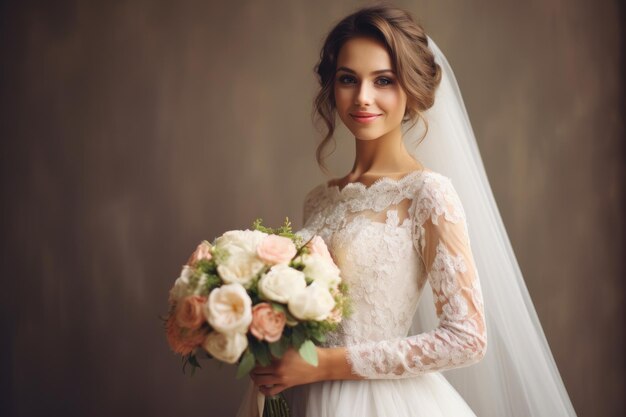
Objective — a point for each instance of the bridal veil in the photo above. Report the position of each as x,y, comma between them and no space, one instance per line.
518,375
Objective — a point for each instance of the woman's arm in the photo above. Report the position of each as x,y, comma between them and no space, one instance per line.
460,339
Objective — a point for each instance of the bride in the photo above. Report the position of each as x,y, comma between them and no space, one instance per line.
399,222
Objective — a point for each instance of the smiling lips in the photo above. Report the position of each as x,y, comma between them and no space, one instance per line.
364,117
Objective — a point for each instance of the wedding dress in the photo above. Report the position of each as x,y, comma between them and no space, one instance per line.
393,240
390,239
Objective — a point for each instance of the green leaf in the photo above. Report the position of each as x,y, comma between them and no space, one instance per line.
298,337
278,349
194,362
246,364
320,337
261,353
279,307
308,352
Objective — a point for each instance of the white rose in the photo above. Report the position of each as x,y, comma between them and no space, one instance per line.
229,309
182,287
313,303
321,270
281,282
225,347
247,239
241,264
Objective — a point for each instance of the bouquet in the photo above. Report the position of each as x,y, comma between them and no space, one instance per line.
251,295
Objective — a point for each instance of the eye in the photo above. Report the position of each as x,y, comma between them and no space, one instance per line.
386,81
345,79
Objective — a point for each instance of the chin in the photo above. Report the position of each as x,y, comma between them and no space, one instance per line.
365,133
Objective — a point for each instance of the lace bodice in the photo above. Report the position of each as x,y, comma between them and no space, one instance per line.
389,239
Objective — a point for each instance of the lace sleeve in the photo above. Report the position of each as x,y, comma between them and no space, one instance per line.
441,238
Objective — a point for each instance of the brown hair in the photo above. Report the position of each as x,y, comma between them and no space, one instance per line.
407,45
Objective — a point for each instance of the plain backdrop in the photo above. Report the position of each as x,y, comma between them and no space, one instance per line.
132,130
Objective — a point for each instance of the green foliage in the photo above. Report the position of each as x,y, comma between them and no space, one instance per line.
253,288
278,348
284,230
278,307
297,263
344,301
191,360
207,266
298,336
246,364
260,350
212,281
220,255
317,329
308,352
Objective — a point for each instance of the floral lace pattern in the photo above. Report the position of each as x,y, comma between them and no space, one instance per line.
389,239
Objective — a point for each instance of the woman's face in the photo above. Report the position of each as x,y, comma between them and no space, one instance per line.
368,97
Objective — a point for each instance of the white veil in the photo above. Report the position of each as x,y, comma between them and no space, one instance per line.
518,375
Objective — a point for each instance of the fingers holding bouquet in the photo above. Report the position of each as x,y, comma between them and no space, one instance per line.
285,372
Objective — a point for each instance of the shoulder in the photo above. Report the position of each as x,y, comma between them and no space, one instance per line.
435,197
315,193
313,199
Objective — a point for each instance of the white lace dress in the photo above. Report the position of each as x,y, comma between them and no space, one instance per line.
389,239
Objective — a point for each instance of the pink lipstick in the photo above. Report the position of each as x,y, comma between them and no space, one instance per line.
364,117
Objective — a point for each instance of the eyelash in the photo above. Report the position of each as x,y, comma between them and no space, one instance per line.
342,78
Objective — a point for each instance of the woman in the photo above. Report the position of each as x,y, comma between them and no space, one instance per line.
395,226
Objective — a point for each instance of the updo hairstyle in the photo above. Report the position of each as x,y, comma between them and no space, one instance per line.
407,44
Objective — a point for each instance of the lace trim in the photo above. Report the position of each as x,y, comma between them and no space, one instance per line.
356,196
382,180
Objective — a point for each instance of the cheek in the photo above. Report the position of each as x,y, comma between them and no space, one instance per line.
343,98
392,102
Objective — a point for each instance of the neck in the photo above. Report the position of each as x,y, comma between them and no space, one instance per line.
384,155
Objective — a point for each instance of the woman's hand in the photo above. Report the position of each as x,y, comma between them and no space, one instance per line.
292,370
286,372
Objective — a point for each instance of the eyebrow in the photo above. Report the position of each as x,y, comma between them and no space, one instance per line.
346,69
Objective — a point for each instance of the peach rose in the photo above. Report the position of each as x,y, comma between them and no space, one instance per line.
183,341
317,246
203,251
275,249
267,324
189,312
335,315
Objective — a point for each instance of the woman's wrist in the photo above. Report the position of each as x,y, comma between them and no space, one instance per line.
333,364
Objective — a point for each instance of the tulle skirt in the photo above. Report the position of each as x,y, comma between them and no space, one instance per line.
428,395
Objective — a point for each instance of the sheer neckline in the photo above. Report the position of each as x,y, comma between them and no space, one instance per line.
381,180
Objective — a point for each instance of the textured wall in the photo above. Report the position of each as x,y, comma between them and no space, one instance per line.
131,130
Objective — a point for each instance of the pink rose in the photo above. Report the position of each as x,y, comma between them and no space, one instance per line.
189,312
203,251
318,246
267,324
181,340
275,249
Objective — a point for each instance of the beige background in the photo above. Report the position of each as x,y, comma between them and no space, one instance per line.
132,130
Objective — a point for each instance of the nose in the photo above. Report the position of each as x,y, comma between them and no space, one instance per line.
363,95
